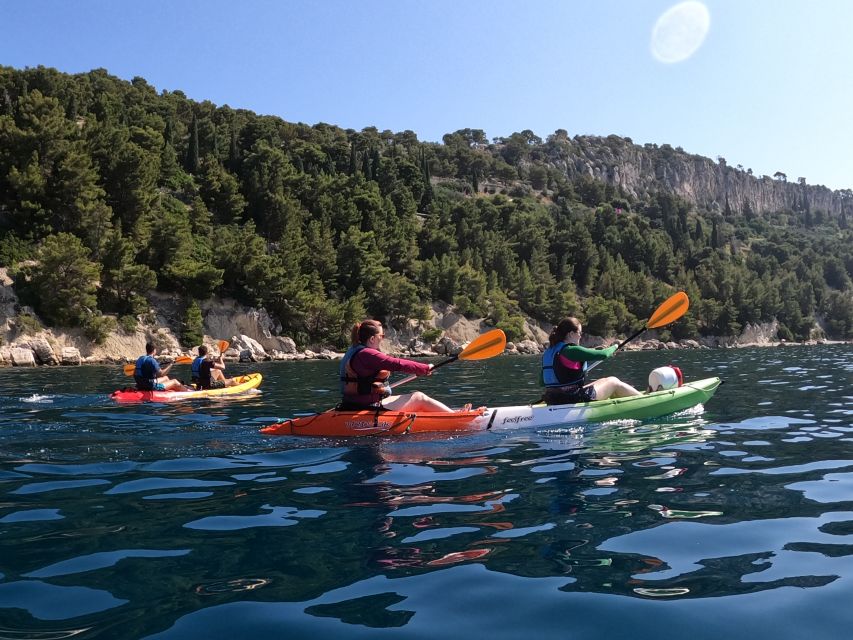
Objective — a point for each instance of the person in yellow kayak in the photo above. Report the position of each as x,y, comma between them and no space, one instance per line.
365,370
564,366
208,373
150,377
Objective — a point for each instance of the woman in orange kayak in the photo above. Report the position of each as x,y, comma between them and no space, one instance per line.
365,371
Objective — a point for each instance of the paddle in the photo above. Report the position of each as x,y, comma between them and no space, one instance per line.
487,345
130,367
668,312
223,346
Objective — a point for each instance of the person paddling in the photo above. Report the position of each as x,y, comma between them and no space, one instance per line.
564,366
150,377
365,370
211,371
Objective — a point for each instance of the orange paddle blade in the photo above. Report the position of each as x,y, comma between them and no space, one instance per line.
223,345
487,345
671,310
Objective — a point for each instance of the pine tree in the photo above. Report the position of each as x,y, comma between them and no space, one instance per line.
192,160
233,152
192,327
353,160
365,166
168,133
374,164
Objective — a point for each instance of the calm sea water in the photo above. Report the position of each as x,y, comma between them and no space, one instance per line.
182,521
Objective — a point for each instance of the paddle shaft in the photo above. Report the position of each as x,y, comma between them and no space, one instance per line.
621,344
440,364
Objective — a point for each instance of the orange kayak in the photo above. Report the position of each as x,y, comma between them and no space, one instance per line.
371,423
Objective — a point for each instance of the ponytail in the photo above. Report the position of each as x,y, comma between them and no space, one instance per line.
562,330
362,331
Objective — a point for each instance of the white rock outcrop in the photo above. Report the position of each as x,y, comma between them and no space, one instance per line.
71,356
23,357
43,351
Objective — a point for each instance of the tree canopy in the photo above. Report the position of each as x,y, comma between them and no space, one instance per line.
113,190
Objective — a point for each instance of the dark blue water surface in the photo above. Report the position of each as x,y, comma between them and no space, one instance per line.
183,521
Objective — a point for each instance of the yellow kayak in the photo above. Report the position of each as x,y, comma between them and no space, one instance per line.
244,383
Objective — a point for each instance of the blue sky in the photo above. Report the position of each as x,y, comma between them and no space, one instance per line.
770,87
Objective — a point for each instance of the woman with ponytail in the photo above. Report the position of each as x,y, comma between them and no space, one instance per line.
564,366
365,371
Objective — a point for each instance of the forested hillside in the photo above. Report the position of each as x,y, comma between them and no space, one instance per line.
109,189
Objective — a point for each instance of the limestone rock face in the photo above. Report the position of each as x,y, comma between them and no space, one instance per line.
528,347
8,301
223,318
43,351
759,333
71,356
23,357
250,350
641,170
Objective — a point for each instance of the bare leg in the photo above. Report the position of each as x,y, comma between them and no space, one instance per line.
417,401
171,384
613,387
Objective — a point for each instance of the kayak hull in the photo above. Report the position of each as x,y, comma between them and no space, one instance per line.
244,383
375,423
372,423
643,407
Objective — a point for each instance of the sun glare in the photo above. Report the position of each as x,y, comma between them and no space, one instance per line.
680,31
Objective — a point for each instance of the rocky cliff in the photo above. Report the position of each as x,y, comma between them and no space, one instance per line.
640,170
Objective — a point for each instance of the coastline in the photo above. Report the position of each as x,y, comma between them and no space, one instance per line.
38,352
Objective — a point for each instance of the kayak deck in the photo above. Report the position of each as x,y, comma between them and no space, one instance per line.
244,383
372,422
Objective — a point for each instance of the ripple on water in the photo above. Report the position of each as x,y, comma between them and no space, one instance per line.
277,517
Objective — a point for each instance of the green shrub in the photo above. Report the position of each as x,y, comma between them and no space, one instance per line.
513,327
430,336
192,328
97,327
13,249
28,324
128,324
784,333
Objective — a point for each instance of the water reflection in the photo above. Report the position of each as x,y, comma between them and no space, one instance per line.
166,522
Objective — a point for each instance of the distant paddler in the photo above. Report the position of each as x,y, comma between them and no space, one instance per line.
149,376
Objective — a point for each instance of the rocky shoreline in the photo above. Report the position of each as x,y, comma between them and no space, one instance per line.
256,337
38,350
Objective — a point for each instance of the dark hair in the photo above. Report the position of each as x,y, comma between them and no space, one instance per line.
149,348
563,329
364,331
202,351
